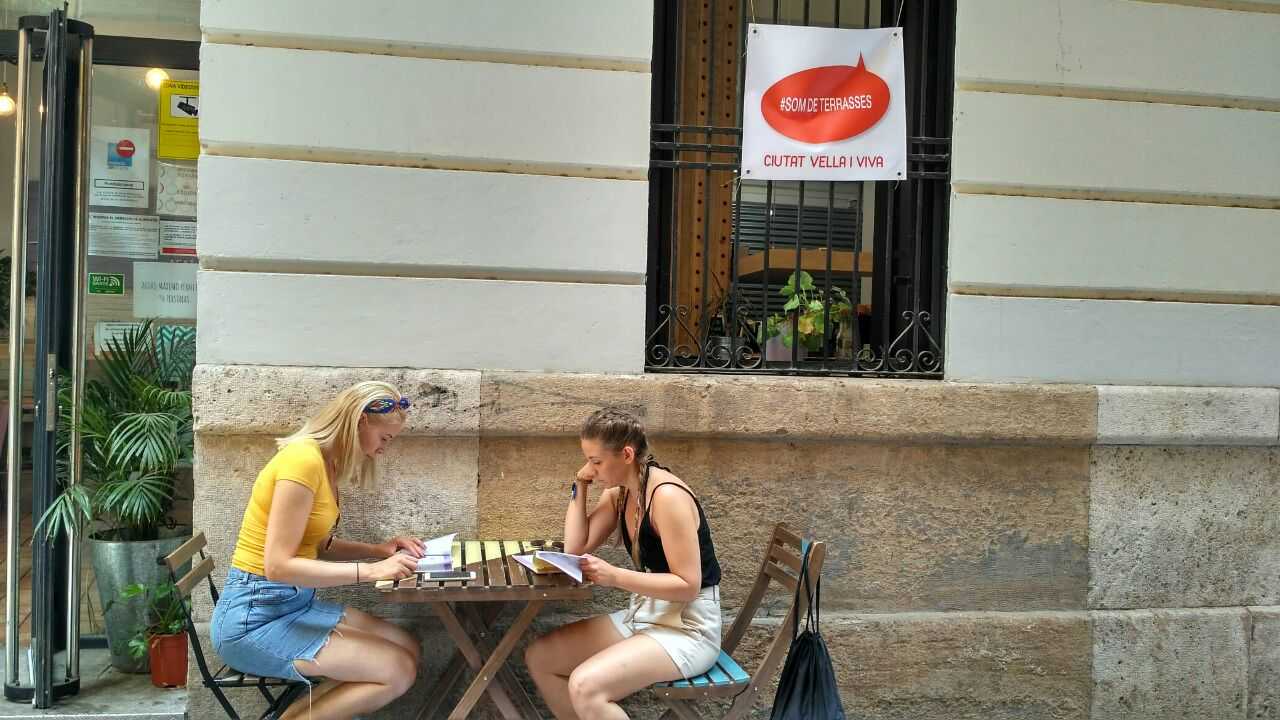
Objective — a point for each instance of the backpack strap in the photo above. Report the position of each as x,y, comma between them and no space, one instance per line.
812,592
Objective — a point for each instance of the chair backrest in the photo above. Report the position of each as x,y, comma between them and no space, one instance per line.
202,570
783,558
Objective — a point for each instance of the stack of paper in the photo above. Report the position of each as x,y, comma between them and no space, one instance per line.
543,562
439,555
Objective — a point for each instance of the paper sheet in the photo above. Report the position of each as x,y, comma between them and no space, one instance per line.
564,562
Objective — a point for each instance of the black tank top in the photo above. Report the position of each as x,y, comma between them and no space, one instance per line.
653,559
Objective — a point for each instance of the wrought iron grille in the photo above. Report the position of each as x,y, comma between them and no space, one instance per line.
726,255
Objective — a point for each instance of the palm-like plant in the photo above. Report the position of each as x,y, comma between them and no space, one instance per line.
135,430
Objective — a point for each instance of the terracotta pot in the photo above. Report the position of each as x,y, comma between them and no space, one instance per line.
168,656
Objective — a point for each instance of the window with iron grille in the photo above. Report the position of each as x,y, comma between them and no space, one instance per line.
726,254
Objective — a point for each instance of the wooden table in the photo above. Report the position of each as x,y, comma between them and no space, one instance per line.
469,611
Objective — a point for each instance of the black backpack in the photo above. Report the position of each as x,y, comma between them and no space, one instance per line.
807,688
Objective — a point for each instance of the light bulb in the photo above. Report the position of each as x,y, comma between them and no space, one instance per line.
156,77
7,105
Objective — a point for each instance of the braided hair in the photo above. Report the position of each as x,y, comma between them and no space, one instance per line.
615,429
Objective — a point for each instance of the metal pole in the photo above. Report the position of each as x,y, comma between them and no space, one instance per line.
77,346
17,340
49,288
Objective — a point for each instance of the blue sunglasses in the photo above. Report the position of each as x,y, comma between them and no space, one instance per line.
383,405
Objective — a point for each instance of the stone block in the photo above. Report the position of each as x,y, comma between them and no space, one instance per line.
826,409
920,527
276,400
1264,663
1184,527
958,666
1170,664
1135,415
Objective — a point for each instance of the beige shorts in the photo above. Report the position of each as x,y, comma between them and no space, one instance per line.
689,632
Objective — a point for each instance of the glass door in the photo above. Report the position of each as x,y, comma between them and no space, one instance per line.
129,203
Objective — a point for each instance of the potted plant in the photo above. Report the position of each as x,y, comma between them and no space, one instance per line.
162,640
136,437
804,320
718,338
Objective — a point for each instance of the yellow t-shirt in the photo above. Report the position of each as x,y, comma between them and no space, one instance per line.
299,462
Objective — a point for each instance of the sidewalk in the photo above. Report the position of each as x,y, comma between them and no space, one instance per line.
105,693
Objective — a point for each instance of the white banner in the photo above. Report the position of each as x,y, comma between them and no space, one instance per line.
824,104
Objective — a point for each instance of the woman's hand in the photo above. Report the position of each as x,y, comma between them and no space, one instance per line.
586,474
412,546
396,567
598,571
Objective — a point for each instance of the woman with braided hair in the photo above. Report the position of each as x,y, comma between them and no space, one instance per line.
671,626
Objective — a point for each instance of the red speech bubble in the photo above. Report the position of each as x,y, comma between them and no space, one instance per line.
826,104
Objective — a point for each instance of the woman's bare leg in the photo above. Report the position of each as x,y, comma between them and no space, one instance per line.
603,679
370,671
552,658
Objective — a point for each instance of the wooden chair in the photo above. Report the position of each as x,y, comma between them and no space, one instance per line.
727,679
225,677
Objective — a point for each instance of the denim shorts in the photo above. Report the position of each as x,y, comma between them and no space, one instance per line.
260,627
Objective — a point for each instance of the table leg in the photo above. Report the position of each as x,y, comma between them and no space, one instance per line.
472,654
484,679
480,627
455,669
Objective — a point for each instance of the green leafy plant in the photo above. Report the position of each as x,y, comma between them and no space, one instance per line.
165,613
805,317
135,431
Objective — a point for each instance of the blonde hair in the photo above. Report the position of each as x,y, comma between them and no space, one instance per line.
336,429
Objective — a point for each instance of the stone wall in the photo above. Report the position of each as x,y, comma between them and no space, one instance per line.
992,552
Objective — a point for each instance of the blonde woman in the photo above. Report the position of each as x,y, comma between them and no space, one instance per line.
268,620
671,627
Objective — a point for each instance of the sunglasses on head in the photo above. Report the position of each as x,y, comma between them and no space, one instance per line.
385,405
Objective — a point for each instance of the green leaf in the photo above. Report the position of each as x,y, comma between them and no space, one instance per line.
792,304
128,592
138,500
135,425
138,646
148,439
72,510
806,281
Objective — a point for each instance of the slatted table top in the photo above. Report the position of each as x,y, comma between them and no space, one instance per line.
499,577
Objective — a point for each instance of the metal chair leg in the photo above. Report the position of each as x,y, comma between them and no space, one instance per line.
222,700
285,699
271,699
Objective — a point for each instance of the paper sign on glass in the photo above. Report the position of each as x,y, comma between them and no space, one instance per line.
119,167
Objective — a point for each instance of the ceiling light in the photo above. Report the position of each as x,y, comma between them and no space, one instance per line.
156,77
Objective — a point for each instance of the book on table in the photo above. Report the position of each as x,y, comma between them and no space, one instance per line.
438,557
544,562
